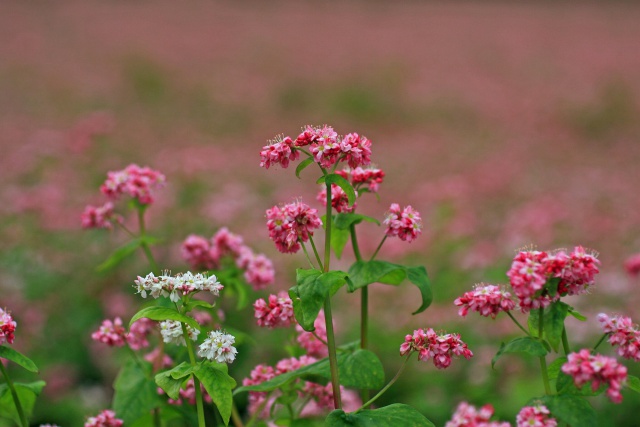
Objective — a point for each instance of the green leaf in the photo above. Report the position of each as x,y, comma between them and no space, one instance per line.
198,303
555,367
573,410
388,416
633,383
120,255
554,316
312,289
525,345
302,165
218,383
170,385
163,313
577,315
364,273
339,239
341,182
135,393
27,394
343,221
358,369
17,357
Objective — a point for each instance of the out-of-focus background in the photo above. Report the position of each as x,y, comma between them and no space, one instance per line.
504,124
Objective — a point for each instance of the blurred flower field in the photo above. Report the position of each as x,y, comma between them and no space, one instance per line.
504,125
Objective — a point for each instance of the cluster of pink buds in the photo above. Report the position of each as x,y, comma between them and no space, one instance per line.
632,265
218,346
278,151
467,415
623,333
277,312
188,394
531,270
106,418
7,327
177,286
138,182
339,199
585,367
205,254
114,334
405,223
312,341
488,300
99,216
439,348
535,416
371,177
291,224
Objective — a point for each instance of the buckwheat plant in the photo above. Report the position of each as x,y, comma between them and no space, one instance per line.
538,282
324,375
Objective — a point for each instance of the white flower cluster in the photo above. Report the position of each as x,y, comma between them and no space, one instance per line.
171,331
177,286
218,346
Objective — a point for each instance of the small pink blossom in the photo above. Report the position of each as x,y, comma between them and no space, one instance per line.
597,369
277,312
258,375
578,273
357,150
632,265
623,333
138,333
405,223
7,327
111,333
440,348
106,418
99,216
339,199
371,177
467,415
278,151
135,181
259,272
293,364
535,416
225,243
488,300
196,250
528,275
290,224
154,358
310,342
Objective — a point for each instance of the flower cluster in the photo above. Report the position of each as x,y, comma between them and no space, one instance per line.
371,177
339,199
99,216
632,265
111,333
328,148
138,182
278,151
467,415
291,224
207,254
171,332
439,348
7,327
218,346
258,375
188,394
277,312
405,223
535,416
623,333
177,286
488,300
309,340
106,418
585,367
532,270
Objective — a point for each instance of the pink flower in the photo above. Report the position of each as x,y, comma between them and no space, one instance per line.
405,223
325,148
528,275
632,265
370,176
597,369
535,416
467,415
488,300
138,332
293,364
259,272
225,243
138,182
578,273
623,333
99,216
258,375
339,199
111,333
106,418
196,250
278,151
7,327
277,312
357,149
439,348
291,223
154,358
308,340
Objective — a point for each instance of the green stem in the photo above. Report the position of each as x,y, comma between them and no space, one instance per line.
364,305
144,245
315,251
14,394
235,415
565,342
381,392
599,342
319,338
378,248
258,411
196,382
291,412
543,359
517,323
306,254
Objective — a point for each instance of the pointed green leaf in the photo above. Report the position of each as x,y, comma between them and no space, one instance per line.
554,316
341,182
119,255
312,289
577,315
135,393
302,165
218,383
633,383
339,239
555,367
198,303
388,416
525,345
170,385
163,313
343,221
17,357
364,273
573,410
27,394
